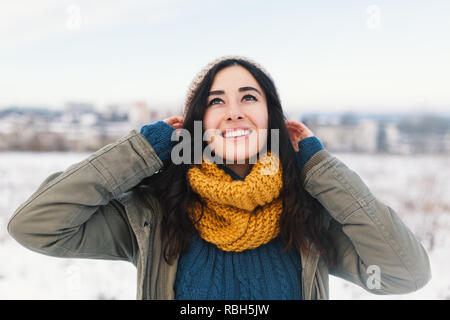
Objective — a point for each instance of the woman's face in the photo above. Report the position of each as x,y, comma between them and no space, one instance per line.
236,104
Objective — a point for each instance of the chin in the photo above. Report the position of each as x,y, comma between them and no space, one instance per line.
240,152
239,156
238,159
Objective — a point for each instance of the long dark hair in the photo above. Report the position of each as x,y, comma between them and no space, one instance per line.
302,219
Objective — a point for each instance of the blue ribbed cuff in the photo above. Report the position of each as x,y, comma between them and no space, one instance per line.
308,147
159,136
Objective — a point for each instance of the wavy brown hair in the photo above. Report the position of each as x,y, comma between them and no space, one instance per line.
302,218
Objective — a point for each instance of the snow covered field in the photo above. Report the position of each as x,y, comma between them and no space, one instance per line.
416,187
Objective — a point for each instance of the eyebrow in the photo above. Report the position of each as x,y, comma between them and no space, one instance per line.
242,89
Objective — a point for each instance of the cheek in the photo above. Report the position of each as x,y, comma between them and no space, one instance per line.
210,119
261,118
263,123
210,125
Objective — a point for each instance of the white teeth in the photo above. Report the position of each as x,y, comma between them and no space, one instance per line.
237,133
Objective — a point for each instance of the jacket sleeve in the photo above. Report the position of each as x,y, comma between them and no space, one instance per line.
75,213
375,249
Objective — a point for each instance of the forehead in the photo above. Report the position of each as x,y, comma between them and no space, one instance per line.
233,77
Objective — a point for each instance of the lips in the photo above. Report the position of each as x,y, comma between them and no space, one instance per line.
234,129
237,134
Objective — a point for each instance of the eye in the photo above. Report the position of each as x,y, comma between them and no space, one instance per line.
249,96
212,101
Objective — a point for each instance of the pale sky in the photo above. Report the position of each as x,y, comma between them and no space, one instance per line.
324,55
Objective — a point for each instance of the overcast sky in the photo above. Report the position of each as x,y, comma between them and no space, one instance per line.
324,55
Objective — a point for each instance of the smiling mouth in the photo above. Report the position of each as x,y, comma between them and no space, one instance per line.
237,134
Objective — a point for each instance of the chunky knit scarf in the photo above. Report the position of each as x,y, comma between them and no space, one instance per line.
237,215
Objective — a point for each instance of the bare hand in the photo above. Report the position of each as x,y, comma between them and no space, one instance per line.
297,131
176,122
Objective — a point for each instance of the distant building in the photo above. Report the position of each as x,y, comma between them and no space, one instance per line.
115,113
139,114
79,107
80,127
393,141
335,137
347,136
365,138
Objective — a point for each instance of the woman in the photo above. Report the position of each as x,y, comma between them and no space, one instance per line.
266,212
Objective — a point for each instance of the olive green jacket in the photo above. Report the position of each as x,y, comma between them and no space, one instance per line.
90,211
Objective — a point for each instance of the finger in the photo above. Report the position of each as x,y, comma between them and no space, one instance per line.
174,119
302,125
168,121
295,129
295,125
298,125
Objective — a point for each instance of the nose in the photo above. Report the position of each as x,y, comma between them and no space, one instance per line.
234,112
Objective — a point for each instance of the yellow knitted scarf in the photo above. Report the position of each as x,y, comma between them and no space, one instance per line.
237,215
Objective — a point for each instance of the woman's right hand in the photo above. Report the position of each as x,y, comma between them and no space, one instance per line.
159,135
176,122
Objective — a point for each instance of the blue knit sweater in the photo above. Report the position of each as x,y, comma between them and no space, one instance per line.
207,272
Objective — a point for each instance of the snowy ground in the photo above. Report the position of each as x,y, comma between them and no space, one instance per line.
417,187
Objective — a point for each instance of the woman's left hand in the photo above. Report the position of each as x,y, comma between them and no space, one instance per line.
297,131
